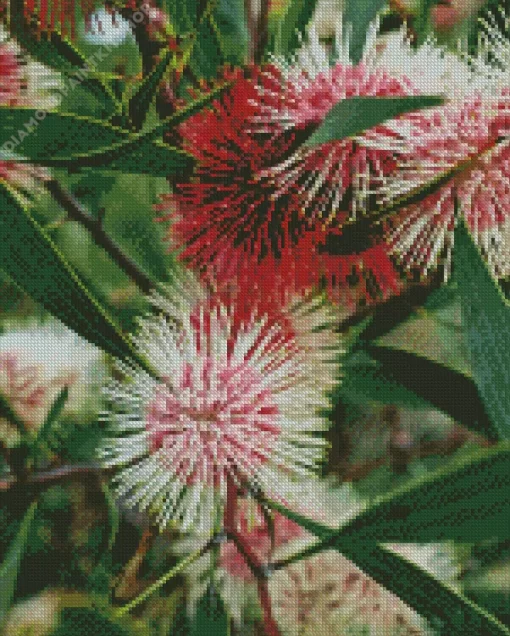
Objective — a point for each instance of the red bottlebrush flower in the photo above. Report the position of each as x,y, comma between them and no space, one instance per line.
261,210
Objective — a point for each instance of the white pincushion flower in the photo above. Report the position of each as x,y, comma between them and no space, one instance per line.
236,403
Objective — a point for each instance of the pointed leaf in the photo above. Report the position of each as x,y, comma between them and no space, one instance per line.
467,501
437,384
31,258
59,140
145,93
447,611
352,116
142,152
358,16
293,25
486,320
52,417
10,567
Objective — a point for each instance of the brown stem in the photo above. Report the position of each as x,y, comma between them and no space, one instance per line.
257,17
77,212
251,558
50,476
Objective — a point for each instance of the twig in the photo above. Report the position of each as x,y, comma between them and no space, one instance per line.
251,558
77,212
50,476
257,17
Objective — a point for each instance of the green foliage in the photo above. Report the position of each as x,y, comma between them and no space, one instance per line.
83,621
145,93
210,617
354,115
33,261
292,26
486,320
358,16
74,141
9,569
468,500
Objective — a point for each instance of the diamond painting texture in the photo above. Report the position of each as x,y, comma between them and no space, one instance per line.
254,319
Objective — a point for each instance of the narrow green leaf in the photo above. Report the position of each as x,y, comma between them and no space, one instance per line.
145,93
436,384
293,25
467,501
143,153
10,567
7,413
486,320
364,380
210,617
31,258
447,611
52,417
350,117
60,140
358,16
52,49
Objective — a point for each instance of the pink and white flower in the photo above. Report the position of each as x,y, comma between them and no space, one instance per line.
37,362
235,403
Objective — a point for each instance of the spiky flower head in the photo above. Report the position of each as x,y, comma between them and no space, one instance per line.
263,210
236,402
465,150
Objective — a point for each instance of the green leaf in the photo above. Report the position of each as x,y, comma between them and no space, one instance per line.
437,384
7,413
447,611
486,320
352,116
293,25
365,380
145,93
466,501
210,617
358,16
52,418
73,141
142,152
31,258
52,49
85,621
10,567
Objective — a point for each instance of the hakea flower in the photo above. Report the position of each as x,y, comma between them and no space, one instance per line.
262,207
465,147
471,143
237,402
37,362
328,594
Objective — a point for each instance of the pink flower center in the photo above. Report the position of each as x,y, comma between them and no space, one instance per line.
213,420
